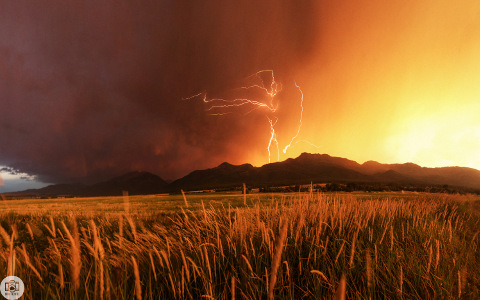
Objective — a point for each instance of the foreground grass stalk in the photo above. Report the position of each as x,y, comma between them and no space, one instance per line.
277,258
75,261
138,284
341,290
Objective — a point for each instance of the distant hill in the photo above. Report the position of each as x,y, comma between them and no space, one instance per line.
54,190
136,183
306,168
225,175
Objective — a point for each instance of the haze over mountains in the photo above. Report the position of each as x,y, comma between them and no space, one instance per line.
316,168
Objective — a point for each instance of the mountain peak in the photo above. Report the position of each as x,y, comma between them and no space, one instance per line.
371,163
309,156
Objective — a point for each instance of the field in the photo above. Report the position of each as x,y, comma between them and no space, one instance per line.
226,246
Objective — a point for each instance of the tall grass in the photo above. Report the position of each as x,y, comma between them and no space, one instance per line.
300,246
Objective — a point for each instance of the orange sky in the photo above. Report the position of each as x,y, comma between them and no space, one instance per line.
90,90
393,82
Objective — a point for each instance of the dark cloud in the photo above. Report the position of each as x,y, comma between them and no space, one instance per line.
89,89
8,170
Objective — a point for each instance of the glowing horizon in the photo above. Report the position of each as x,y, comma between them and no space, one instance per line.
99,95
396,83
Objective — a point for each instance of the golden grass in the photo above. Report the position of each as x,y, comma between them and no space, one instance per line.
341,290
277,258
288,246
138,284
75,253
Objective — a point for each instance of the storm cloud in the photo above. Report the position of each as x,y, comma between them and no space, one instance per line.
90,89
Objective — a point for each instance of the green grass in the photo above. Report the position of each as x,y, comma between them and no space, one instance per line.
388,245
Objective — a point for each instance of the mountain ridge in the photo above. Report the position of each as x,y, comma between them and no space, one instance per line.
323,168
306,168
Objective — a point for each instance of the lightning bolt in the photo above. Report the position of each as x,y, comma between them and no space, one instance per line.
273,138
299,123
270,91
268,102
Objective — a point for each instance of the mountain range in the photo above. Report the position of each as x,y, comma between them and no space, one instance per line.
306,168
